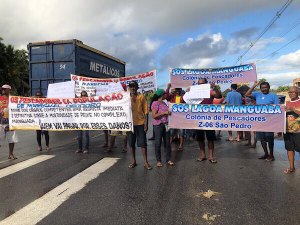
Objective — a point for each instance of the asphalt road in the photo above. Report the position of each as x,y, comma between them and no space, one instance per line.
251,191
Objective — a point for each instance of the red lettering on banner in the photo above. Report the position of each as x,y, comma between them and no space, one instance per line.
75,77
120,96
14,99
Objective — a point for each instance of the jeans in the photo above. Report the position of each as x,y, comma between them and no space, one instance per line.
87,139
161,134
39,137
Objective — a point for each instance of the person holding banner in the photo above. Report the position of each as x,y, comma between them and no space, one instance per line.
139,107
86,133
177,97
10,135
264,98
39,133
160,113
210,134
292,135
234,98
114,134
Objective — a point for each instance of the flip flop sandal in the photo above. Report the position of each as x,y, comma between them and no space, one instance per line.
270,159
148,167
170,163
201,159
213,161
289,171
159,164
132,165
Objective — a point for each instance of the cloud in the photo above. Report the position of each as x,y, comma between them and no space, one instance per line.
196,53
285,63
246,33
291,59
280,79
133,30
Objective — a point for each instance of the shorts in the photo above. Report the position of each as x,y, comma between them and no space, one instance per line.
210,135
138,135
292,141
174,132
265,136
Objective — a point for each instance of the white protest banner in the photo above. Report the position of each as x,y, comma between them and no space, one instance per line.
61,90
109,88
146,81
108,112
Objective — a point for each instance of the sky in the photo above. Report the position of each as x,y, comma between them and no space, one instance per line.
166,34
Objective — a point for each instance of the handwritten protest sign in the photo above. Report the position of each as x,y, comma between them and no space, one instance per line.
109,88
61,90
108,112
225,75
146,81
268,118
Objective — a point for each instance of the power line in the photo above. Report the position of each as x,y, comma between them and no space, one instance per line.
281,36
278,14
273,53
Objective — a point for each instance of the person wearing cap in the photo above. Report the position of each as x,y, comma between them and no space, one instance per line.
176,97
10,135
139,108
39,133
160,113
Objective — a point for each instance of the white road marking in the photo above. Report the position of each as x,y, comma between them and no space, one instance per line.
23,165
42,207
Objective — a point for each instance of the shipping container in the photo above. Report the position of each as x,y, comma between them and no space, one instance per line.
54,61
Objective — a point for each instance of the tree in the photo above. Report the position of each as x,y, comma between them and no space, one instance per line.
282,88
14,68
262,80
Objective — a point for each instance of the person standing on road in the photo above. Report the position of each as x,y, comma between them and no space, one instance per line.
160,113
39,133
234,98
292,139
114,134
210,134
82,133
177,98
218,100
10,135
264,98
139,107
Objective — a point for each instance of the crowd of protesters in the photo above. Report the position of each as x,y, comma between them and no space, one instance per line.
163,136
